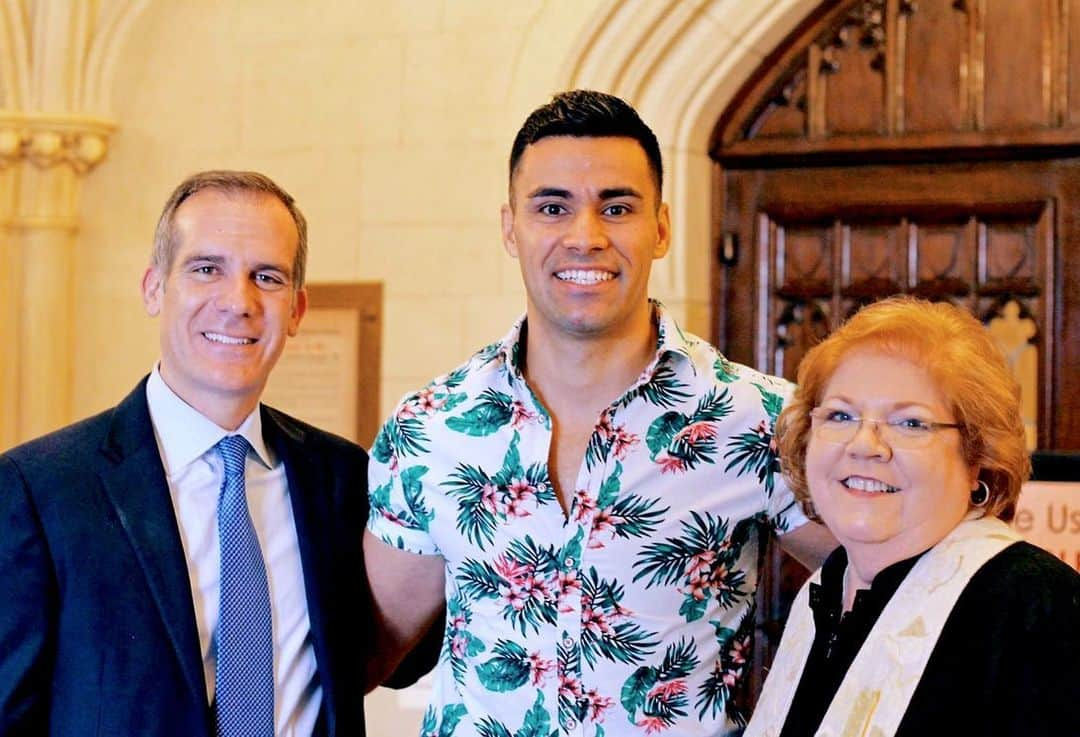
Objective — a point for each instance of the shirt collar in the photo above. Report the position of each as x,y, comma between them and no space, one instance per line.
185,434
670,341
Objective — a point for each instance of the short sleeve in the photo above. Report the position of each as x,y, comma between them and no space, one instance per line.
783,511
400,513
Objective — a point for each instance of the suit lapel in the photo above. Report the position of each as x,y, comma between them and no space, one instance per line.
134,482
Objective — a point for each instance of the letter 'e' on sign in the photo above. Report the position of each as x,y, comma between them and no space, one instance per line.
1048,515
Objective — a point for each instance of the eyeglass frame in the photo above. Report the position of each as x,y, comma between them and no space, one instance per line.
932,425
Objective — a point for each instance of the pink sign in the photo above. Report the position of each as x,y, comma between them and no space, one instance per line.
1048,515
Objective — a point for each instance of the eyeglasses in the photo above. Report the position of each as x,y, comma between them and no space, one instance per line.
906,433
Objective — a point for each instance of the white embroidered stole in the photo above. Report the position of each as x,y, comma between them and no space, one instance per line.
878,686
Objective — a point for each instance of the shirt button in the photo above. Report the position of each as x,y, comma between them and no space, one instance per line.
568,641
570,562
571,724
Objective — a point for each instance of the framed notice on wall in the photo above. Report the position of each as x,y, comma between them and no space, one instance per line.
328,374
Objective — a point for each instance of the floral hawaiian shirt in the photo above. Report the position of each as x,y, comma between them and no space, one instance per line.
632,613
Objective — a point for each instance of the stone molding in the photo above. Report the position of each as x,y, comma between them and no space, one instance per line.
47,140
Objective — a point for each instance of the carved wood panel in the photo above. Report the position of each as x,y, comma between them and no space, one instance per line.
928,147
864,71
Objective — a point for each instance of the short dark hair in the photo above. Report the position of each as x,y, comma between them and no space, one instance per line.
228,182
588,114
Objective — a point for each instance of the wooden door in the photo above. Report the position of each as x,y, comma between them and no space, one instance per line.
892,147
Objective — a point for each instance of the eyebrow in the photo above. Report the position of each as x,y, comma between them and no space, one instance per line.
893,408
220,261
610,193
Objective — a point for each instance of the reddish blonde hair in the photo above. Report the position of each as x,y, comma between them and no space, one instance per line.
958,353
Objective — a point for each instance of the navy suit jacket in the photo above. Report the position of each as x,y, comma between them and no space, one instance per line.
97,625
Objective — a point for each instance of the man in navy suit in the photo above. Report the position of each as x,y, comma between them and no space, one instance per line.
109,548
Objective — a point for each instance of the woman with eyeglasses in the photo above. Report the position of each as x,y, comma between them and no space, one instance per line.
905,438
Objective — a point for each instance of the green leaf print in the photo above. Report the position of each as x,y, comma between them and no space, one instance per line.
638,516
475,519
402,437
609,490
451,715
725,370
488,727
507,670
418,516
662,430
537,720
693,608
771,401
511,467
491,411
572,549
637,687
610,633
536,724
478,580
664,389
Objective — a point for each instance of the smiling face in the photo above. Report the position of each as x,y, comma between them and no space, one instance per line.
586,223
885,504
227,304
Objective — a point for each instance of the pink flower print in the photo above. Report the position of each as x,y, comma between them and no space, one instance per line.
514,596
569,686
671,464
584,505
595,620
623,443
427,403
598,704
667,691
737,653
697,431
515,508
652,725
520,414
536,588
604,428
458,645
539,669
700,563
489,498
406,411
511,570
519,492
521,489
568,583
762,429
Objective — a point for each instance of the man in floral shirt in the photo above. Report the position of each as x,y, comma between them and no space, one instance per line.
585,499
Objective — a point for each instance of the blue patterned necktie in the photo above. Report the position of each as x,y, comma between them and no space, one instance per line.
244,676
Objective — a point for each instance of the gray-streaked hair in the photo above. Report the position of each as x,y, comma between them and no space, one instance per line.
229,182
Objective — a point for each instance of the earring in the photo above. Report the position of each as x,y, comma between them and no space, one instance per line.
980,495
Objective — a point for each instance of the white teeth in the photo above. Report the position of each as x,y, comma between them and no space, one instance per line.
862,484
227,340
581,276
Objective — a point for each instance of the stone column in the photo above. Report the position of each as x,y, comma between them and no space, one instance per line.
48,156
56,63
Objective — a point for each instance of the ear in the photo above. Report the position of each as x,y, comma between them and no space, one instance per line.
299,308
153,285
663,231
509,241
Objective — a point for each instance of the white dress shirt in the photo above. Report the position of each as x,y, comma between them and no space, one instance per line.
194,472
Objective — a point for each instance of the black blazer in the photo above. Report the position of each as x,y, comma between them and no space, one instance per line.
97,626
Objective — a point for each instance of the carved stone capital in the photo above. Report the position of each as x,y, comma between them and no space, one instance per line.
46,140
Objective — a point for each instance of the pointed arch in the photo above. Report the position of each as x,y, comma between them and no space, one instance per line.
679,62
